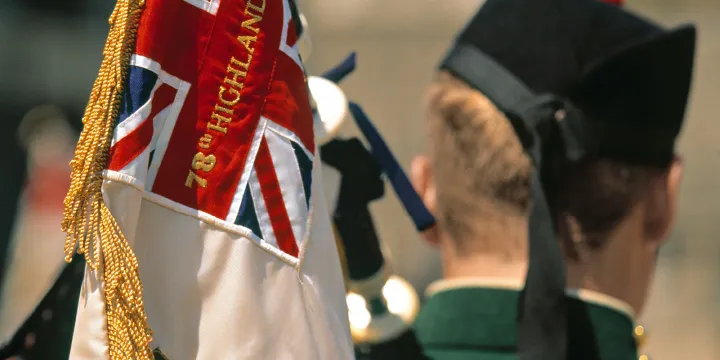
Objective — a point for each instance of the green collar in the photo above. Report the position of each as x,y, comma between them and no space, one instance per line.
483,319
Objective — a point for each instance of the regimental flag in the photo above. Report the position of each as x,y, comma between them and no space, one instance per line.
212,177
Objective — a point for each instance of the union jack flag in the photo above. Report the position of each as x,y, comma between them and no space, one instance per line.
209,179
216,119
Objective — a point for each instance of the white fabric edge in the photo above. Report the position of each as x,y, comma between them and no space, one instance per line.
200,215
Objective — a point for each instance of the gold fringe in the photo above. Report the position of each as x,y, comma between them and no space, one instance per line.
91,229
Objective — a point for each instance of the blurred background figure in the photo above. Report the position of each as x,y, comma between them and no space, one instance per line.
32,259
50,53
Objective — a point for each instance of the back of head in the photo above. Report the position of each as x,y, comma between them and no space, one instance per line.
481,172
597,56
596,97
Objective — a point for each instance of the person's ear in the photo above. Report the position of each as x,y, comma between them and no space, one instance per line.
662,205
421,176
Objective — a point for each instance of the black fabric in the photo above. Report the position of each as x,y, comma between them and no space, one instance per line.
637,97
617,67
549,44
158,355
359,237
361,183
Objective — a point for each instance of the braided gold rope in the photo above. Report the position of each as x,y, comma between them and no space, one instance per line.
91,228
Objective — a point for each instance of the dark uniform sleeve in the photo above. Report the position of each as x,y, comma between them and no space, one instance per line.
47,333
405,347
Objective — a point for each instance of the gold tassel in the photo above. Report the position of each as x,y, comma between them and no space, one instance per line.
91,228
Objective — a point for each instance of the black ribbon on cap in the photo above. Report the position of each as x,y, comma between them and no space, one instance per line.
538,120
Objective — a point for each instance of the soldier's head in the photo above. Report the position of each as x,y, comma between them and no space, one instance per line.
613,210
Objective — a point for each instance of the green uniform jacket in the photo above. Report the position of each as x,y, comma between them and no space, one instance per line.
466,321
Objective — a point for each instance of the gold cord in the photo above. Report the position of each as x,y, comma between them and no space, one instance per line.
91,228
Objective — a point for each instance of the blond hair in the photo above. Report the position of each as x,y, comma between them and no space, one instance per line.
482,173
479,166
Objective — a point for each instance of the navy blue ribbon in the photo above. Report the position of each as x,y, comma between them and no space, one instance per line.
340,71
381,152
399,180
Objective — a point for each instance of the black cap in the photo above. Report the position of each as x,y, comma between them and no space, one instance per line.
597,79
629,76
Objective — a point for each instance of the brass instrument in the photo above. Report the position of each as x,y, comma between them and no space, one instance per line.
381,305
